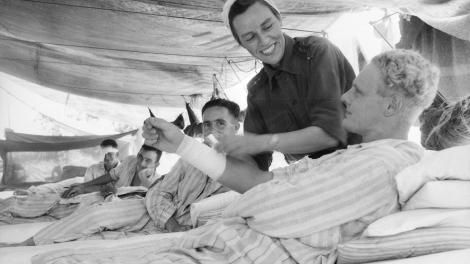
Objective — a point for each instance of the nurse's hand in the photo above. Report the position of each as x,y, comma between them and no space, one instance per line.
240,145
161,134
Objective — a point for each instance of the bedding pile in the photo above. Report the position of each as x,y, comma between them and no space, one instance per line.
434,195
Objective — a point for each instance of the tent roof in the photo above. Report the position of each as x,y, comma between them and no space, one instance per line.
153,52
27,142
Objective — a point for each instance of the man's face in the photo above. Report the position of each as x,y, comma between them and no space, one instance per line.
110,160
260,33
146,160
218,121
364,106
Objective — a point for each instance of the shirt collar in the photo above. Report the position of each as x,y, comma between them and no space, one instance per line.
288,63
380,142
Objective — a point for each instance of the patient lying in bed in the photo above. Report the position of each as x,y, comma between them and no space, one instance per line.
51,200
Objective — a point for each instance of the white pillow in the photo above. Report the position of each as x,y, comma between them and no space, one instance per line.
448,164
410,220
20,232
441,194
403,247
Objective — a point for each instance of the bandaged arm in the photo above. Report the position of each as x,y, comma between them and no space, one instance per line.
231,172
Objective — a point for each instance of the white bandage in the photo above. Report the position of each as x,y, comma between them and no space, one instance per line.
202,157
212,141
109,149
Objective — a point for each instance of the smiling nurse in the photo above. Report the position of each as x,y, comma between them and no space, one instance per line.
294,101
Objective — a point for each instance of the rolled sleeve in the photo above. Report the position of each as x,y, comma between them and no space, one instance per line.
254,123
333,78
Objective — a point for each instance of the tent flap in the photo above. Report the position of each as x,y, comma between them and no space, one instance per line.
25,142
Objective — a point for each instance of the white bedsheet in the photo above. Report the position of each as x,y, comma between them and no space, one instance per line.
449,257
6,194
20,232
22,255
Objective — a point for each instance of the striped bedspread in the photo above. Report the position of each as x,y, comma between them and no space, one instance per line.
298,217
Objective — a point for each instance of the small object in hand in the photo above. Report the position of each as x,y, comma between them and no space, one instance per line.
150,111
212,140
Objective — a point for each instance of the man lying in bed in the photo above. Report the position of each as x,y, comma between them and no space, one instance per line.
167,203
133,171
300,213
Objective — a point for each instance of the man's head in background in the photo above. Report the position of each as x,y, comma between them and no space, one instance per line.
389,94
148,158
220,117
109,148
447,125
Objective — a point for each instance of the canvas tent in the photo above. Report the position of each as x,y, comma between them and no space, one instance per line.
28,157
93,66
153,52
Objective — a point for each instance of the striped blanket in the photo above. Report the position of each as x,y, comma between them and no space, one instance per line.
298,217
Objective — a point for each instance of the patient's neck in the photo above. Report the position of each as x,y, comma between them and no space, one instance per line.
397,131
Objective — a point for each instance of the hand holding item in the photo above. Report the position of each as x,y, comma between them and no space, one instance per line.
161,134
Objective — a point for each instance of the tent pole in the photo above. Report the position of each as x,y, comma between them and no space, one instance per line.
3,155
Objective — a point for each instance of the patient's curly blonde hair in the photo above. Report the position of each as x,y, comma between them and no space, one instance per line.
410,74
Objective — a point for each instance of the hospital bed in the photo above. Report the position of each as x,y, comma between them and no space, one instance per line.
425,182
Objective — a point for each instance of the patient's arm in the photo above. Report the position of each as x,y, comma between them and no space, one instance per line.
237,175
241,176
87,187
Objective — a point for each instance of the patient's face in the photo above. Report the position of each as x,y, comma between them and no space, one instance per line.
110,160
218,121
146,160
364,106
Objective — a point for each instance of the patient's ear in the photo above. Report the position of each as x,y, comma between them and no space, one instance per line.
394,104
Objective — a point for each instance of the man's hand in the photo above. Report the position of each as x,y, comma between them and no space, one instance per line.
173,226
239,145
146,176
74,190
161,134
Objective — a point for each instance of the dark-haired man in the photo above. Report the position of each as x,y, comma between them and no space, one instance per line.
137,170
110,151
